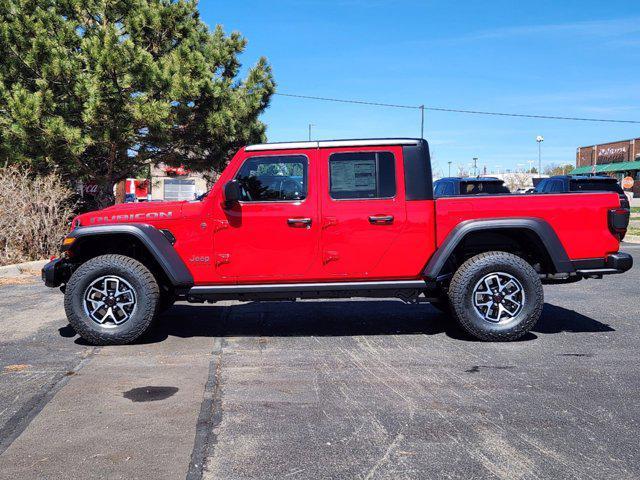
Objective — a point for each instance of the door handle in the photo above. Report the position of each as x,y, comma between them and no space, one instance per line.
381,219
299,222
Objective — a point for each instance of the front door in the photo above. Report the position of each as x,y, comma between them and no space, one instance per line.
273,232
363,210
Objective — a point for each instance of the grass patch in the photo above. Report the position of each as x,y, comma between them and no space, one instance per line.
635,209
633,231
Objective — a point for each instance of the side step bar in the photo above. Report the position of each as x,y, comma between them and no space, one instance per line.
404,289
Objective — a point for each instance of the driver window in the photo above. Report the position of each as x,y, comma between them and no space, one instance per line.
272,179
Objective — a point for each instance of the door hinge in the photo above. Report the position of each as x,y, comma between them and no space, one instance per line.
329,222
220,225
329,256
222,258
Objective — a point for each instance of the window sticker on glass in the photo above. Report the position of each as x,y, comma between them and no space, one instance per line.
353,176
362,175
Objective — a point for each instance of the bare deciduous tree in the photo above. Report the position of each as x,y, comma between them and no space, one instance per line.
517,180
34,214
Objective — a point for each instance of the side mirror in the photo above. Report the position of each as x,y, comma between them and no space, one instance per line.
231,192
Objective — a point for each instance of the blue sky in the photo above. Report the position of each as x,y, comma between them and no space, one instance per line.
568,58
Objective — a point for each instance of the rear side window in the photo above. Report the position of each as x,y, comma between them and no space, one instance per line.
270,179
556,186
449,189
540,188
438,191
362,175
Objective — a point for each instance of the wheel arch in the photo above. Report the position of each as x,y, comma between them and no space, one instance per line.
534,234
143,240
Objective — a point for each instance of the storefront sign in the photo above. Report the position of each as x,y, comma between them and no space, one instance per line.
627,183
91,189
612,154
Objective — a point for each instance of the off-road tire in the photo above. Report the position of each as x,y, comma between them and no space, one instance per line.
471,272
136,274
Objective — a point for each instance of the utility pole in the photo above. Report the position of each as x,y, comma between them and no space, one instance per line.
449,162
310,125
149,182
422,121
475,166
539,139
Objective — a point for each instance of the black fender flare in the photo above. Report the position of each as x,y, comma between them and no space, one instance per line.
153,240
537,226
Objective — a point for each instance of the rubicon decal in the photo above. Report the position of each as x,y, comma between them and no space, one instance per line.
132,217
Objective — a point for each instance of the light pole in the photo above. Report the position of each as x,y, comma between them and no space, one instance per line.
475,166
539,139
530,166
310,125
449,162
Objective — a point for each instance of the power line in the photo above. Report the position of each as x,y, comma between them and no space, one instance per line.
359,102
455,110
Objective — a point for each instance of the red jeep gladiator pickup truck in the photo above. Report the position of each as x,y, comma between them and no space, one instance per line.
335,219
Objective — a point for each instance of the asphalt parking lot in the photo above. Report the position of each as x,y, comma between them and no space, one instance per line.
324,389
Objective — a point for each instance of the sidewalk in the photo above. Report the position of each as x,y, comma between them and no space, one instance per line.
18,269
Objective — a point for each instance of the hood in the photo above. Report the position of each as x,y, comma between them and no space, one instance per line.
143,212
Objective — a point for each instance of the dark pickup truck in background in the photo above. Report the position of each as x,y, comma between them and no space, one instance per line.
452,186
582,183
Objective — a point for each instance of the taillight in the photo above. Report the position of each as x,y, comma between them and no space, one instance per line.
619,221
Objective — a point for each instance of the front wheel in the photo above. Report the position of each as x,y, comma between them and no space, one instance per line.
111,300
496,296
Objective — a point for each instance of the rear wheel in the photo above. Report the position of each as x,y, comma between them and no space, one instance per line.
496,296
111,300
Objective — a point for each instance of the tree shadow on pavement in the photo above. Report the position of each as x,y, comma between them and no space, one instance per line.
333,318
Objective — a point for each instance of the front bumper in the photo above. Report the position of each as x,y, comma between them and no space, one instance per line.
614,263
56,272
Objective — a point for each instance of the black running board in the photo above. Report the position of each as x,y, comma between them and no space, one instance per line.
404,289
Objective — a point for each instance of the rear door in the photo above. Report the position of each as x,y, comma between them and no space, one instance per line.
362,208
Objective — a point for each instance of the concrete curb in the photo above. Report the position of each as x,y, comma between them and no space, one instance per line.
21,268
631,239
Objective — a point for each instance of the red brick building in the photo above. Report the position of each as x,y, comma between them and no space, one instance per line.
618,159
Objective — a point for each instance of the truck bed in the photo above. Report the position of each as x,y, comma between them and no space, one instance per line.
580,220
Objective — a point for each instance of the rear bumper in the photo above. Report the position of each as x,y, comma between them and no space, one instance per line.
614,263
56,272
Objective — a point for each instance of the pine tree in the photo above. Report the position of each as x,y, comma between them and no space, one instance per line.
100,89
